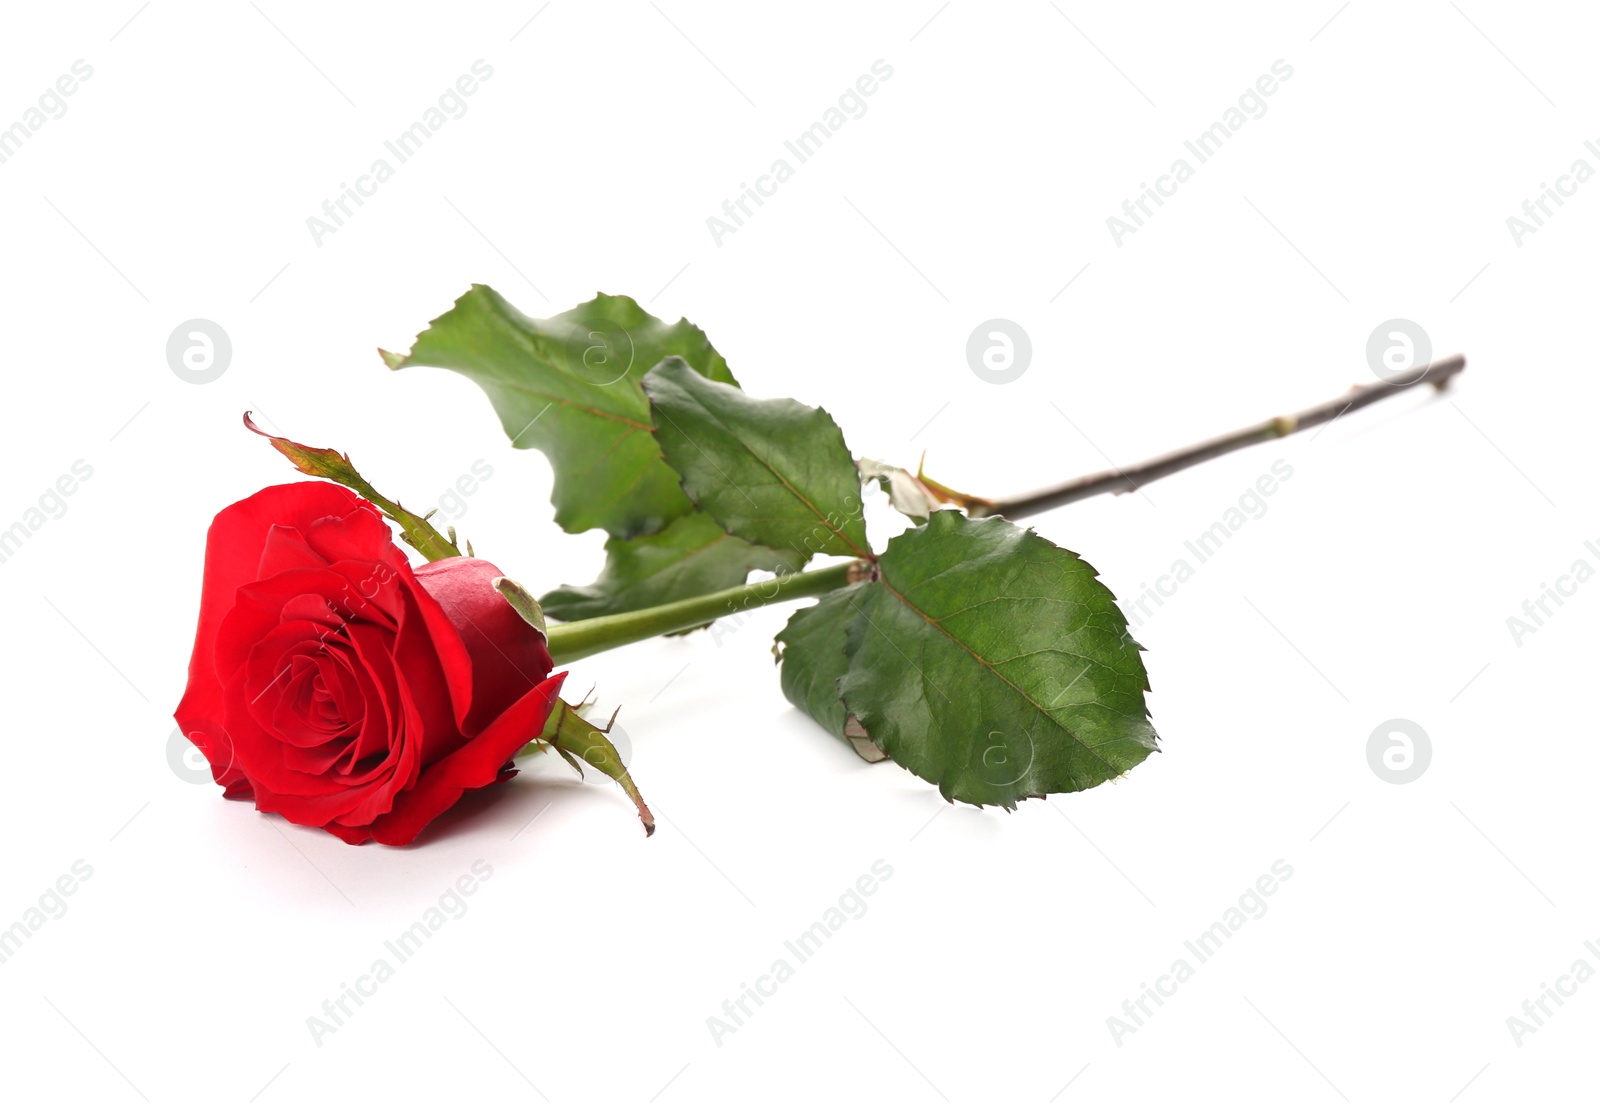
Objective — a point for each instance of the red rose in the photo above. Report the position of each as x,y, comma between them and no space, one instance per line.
337,686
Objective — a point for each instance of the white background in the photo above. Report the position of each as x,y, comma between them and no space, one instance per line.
1377,585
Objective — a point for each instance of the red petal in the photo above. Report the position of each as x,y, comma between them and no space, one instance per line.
234,547
476,764
355,836
508,656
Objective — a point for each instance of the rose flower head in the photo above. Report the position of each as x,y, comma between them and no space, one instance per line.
333,683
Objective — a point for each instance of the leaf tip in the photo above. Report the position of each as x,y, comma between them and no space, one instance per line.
323,463
521,600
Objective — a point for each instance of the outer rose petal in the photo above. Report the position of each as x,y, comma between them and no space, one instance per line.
476,764
234,546
507,656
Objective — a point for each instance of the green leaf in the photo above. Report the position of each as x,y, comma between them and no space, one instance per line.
523,602
569,387
983,659
690,557
811,648
771,471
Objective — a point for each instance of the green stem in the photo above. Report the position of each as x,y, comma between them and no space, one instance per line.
578,639
415,529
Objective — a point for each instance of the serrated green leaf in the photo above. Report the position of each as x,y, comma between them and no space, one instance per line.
569,387
811,648
993,664
690,557
771,471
